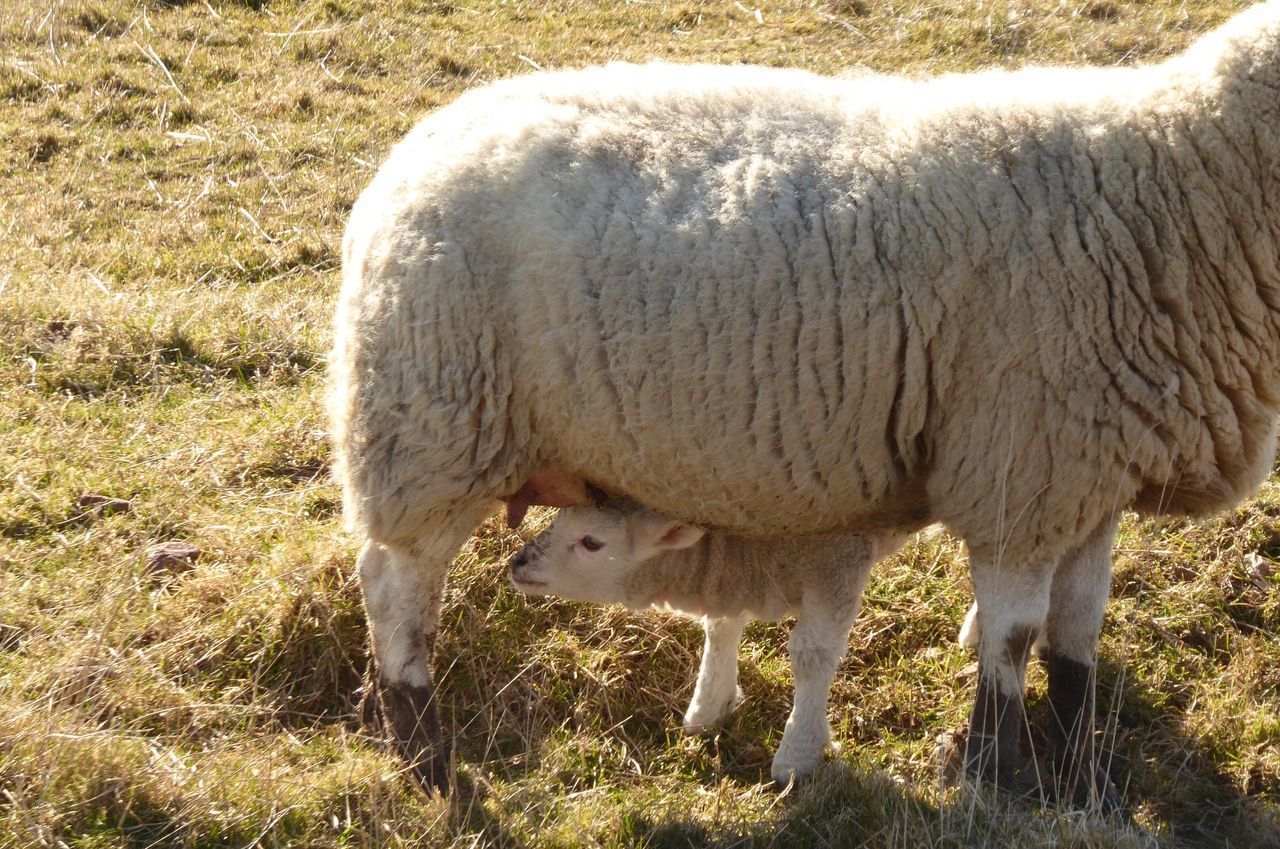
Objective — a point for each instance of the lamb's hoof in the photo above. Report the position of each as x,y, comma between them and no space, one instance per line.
793,767
1110,802
1033,780
432,769
796,761
707,716
703,723
1103,798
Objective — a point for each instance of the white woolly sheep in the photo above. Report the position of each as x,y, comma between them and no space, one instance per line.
619,553
779,304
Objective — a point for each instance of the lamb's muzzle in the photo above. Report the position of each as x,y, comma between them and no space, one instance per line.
522,568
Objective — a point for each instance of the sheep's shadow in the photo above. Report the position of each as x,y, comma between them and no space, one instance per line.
1160,770
470,814
1174,775
847,804
1168,775
842,805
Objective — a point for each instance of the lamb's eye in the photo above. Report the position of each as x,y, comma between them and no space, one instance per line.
590,543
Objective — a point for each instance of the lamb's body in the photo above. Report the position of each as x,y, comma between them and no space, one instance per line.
640,559
725,575
1016,303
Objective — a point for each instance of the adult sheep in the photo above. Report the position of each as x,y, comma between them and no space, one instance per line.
776,304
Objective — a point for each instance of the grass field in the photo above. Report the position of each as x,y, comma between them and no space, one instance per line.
174,178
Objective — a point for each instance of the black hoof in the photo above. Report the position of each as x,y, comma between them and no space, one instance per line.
409,712
431,768
1065,787
1012,774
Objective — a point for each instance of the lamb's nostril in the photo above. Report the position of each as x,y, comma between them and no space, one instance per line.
521,558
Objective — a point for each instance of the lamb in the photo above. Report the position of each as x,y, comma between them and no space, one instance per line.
1016,303
616,552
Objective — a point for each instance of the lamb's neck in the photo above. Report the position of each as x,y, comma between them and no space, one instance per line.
717,576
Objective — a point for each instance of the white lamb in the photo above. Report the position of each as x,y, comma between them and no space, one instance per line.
1013,302
619,553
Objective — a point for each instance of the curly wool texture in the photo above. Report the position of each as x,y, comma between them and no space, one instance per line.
778,303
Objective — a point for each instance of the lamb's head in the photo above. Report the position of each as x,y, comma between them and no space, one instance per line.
591,551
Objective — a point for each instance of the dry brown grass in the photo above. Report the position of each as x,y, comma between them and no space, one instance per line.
174,178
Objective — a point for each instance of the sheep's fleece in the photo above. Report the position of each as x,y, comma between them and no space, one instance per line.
776,303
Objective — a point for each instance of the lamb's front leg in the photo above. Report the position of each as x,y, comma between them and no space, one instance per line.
818,643
716,692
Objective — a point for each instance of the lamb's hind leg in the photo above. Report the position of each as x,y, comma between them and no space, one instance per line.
403,586
717,691
819,641
1080,589
1012,604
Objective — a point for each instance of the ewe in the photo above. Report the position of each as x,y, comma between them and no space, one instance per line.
616,552
780,304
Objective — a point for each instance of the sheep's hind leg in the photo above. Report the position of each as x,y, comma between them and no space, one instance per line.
1012,605
1079,597
403,586
716,692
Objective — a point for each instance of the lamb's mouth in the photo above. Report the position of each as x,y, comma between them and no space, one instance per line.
524,583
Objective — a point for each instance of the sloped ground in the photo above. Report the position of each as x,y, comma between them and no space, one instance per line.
174,177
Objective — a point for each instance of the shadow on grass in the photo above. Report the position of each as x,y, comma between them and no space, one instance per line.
850,805
1177,780
1177,776
548,710
483,823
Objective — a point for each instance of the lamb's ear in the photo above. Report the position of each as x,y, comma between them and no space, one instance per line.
680,535
658,533
547,487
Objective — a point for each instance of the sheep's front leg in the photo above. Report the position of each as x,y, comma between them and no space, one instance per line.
819,641
716,692
403,587
1079,597
1013,601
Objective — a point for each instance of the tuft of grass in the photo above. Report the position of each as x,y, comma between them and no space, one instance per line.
174,178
